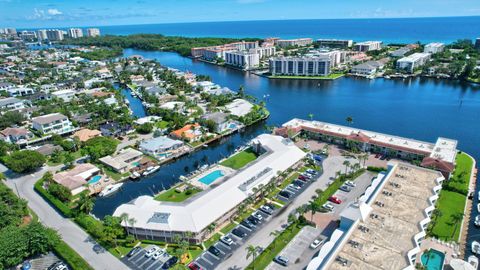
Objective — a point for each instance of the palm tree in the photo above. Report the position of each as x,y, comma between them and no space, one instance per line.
124,217
132,222
313,207
349,120
274,234
456,219
365,158
211,227
252,251
347,164
310,115
85,203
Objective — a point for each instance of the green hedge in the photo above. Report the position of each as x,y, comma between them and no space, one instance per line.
59,205
376,169
71,257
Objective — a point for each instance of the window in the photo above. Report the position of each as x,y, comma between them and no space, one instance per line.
300,68
290,67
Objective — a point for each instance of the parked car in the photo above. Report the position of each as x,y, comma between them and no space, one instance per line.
134,251
282,260
312,172
295,187
285,194
239,233
316,243
253,220
170,262
215,251
334,199
266,209
328,206
226,240
306,175
350,183
194,266
346,188
257,215
303,178
157,254
298,183
151,251
247,224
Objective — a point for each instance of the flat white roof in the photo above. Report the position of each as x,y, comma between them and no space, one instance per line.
195,215
239,107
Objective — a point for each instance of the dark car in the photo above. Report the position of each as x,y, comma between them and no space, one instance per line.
134,251
285,194
170,262
215,251
298,183
238,232
253,220
303,178
247,224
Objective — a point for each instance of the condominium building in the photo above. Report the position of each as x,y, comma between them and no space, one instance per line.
335,43
242,59
28,35
75,32
54,34
336,57
434,47
413,61
215,52
10,31
93,32
42,34
301,66
367,46
264,51
293,42
477,44
52,123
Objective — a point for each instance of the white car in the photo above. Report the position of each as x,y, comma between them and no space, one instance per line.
151,251
328,206
157,254
226,240
292,186
257,215
350,183
316,243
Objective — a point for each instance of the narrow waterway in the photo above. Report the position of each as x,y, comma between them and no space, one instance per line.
418,108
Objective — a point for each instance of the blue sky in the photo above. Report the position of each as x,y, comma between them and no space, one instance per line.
63,13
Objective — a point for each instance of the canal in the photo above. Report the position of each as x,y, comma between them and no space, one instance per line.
418,108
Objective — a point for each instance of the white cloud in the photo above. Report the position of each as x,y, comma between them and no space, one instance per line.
54,11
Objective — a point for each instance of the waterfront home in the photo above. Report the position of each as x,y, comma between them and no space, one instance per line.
77,178
123,161
220,91
369,67
114,129
111,101
20,91
155,90
4,86
14,135
161,221
147,119
412,62
66,95
86,134
159,145
48,149
173,105
239,107
89,83
11,103
52,123
383,229
189,133
220,119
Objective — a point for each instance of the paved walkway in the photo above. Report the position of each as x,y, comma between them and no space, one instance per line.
71,233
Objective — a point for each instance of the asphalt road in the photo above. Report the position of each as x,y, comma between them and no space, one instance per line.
71,233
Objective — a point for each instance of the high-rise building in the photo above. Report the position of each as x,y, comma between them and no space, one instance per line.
300,66
242,59
335,43
10,31
434,47
477,44
75,33
93,32
367,46
28,35
42,35
54,34
293,42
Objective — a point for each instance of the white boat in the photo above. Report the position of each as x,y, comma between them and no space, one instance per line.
478,207
110,189
477,221
479,195
475,247
473,260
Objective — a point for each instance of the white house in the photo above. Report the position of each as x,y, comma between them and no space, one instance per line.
11,103
66,95
52,123
20,91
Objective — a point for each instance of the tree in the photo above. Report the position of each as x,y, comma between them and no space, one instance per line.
59,191
144,128
275,234
310,115
313,207
85,203
349,120
11,118
132,222
100,146
347,165
124,217
24,161
252,251
456,219
241,91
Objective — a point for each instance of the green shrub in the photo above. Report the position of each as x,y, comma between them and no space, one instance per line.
71,257
24,161
376,169
59,205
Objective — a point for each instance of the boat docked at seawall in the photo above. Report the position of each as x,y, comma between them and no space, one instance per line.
110,189
477,221
475,247
150,170
473,260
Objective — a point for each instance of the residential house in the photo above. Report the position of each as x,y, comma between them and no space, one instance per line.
159,145
190,132
20,91
48,149
11,103
52,123
114,129
66,95
123,161
239,107
4,86
220,119
86,134
77,178
14,135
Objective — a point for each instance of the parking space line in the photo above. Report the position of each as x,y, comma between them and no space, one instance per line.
205,259
225,245
197,263
219,249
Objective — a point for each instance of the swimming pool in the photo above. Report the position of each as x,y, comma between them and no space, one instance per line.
94,179
433,259
211,177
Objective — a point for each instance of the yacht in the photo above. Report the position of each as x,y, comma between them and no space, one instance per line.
477,221
475,247
478,207
473,260
110,189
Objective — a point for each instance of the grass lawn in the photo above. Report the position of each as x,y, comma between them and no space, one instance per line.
246,213
448,204
162,124
241,159
461,176
228,228
212,240
266,257
332,76
119,251
172,195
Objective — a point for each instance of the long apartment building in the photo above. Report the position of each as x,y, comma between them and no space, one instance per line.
384,228
367,46
434,47
413,61
337,57
293,42
300,66
213,52
158,220
439,155
75,32
334,43
242,59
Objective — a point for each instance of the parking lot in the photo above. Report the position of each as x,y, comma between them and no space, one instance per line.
139,261
294,190
208,260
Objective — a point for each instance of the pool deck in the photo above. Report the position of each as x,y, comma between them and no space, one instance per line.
450,250
195,181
